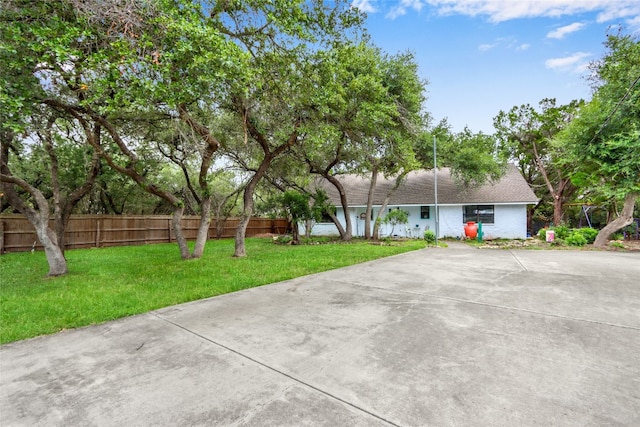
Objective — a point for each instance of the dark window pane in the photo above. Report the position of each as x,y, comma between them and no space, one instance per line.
479,213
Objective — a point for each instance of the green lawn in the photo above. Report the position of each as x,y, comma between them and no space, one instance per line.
106,284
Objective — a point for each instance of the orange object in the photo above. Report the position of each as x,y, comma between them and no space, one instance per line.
471,230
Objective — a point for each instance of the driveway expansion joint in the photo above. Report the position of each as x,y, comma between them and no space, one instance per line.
498,306
278,371
518,261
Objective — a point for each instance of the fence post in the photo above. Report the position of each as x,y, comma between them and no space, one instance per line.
1,237
98,233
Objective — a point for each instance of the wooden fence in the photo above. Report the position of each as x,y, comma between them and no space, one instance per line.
94,231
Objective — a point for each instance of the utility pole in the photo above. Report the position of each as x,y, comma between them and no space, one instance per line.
435,181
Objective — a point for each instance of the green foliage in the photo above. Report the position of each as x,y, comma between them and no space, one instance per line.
297,205
473,160
576,239
471,156
558,242
562,231
110,283
601,146
430,237
524,135
542,234
284,240
588,233
396,216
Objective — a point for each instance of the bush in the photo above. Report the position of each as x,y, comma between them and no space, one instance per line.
430,237
284,240
576,239
542,234
588,233
562,232
558,242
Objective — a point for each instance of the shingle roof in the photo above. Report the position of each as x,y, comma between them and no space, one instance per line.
418,189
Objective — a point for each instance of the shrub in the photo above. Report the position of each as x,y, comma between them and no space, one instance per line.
562,232
542,234
284,240
617,236
576,239
430,237
588,233
558,242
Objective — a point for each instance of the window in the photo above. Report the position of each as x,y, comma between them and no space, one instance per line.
478,213
424,212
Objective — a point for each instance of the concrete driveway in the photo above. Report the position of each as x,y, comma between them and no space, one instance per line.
439,337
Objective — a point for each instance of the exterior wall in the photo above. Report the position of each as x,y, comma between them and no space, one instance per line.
414,228
451,224
510,222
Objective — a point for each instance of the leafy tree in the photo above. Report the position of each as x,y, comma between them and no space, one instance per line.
391,147
297,206
127,66
525,135
97,64
275,112
602,144
396,217
365,119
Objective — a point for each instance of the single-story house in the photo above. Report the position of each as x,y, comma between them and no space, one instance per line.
501,206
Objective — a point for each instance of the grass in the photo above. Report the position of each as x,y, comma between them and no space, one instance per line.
110,283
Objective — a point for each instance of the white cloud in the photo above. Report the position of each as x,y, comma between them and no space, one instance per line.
401,9
504,10
576,63
508,43
559,33
363,6
485,47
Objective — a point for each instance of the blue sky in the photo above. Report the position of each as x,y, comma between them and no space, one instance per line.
483,56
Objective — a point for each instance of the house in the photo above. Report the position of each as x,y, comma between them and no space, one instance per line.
500,206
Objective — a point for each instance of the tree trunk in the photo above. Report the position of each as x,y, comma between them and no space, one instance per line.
307,228
38,218
376,227
203,228
55,257
338,224
625,218
346,233
372,189
557,209
295,231
241,231
247,211
176,223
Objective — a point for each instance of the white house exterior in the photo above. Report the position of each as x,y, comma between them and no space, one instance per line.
500,206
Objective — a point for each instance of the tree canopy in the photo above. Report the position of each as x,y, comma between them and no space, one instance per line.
601,146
